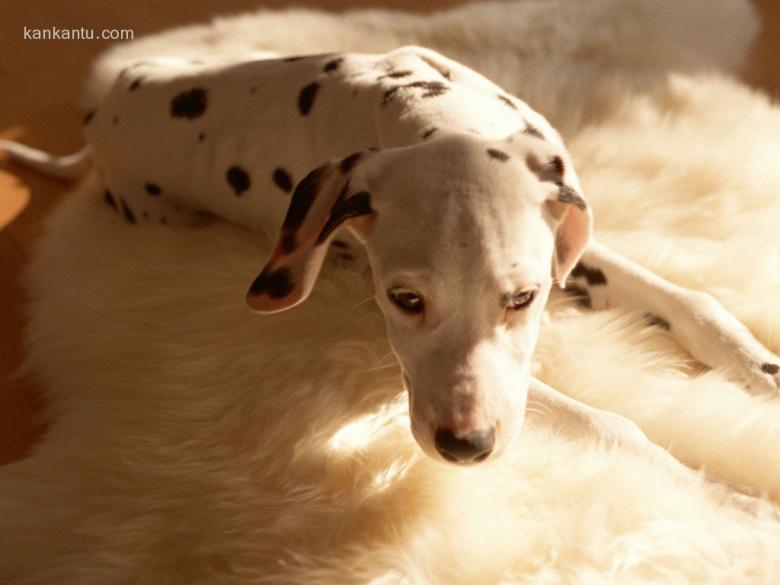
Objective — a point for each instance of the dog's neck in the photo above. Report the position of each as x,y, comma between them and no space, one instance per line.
484,116
413,102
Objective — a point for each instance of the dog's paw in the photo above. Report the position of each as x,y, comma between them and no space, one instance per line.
764,376
718,339
753,367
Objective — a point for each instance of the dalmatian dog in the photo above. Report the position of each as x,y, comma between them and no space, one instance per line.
465,200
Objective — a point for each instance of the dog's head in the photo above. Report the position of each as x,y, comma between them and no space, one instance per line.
464,236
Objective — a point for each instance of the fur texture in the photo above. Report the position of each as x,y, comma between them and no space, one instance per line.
193,442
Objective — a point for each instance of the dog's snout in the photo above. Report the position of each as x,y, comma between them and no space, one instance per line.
474,447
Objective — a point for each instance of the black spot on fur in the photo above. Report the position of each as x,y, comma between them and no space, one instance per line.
557,163
109,198
349,162
135,84
289,242
344,209
127,212
189,104
306,97
333,64
340,244
163,220
302,199
283,180
395,75
580,293
594,276
498,154
145,214
507,101
201,137
280,283
293,58
388,96
115,120
770,369
88,117
152,189
550,170
238,178
277,283
431,89
657,321
568,195
252,89
533,131
428,133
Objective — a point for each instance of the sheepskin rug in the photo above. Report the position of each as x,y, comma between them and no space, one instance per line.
193,442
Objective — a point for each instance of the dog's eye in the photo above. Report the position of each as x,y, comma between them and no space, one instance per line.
405,300
521,300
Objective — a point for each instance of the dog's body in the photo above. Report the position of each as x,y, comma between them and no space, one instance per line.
465,198
245,133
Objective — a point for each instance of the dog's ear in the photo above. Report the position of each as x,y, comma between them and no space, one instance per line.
321,202
571,212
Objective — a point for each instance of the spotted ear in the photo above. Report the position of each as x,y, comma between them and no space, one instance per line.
571,212
321,202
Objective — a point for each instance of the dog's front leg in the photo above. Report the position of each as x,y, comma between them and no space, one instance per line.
695,319
577,420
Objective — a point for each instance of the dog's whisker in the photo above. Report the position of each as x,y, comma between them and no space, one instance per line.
363,302
382,367
385,356
539,409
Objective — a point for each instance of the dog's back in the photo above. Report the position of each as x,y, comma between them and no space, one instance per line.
174,136
234,139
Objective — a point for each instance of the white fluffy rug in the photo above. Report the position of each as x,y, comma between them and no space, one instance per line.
192,442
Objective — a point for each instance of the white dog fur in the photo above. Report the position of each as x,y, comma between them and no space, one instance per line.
218,446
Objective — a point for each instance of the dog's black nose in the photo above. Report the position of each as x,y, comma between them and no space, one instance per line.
473,447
